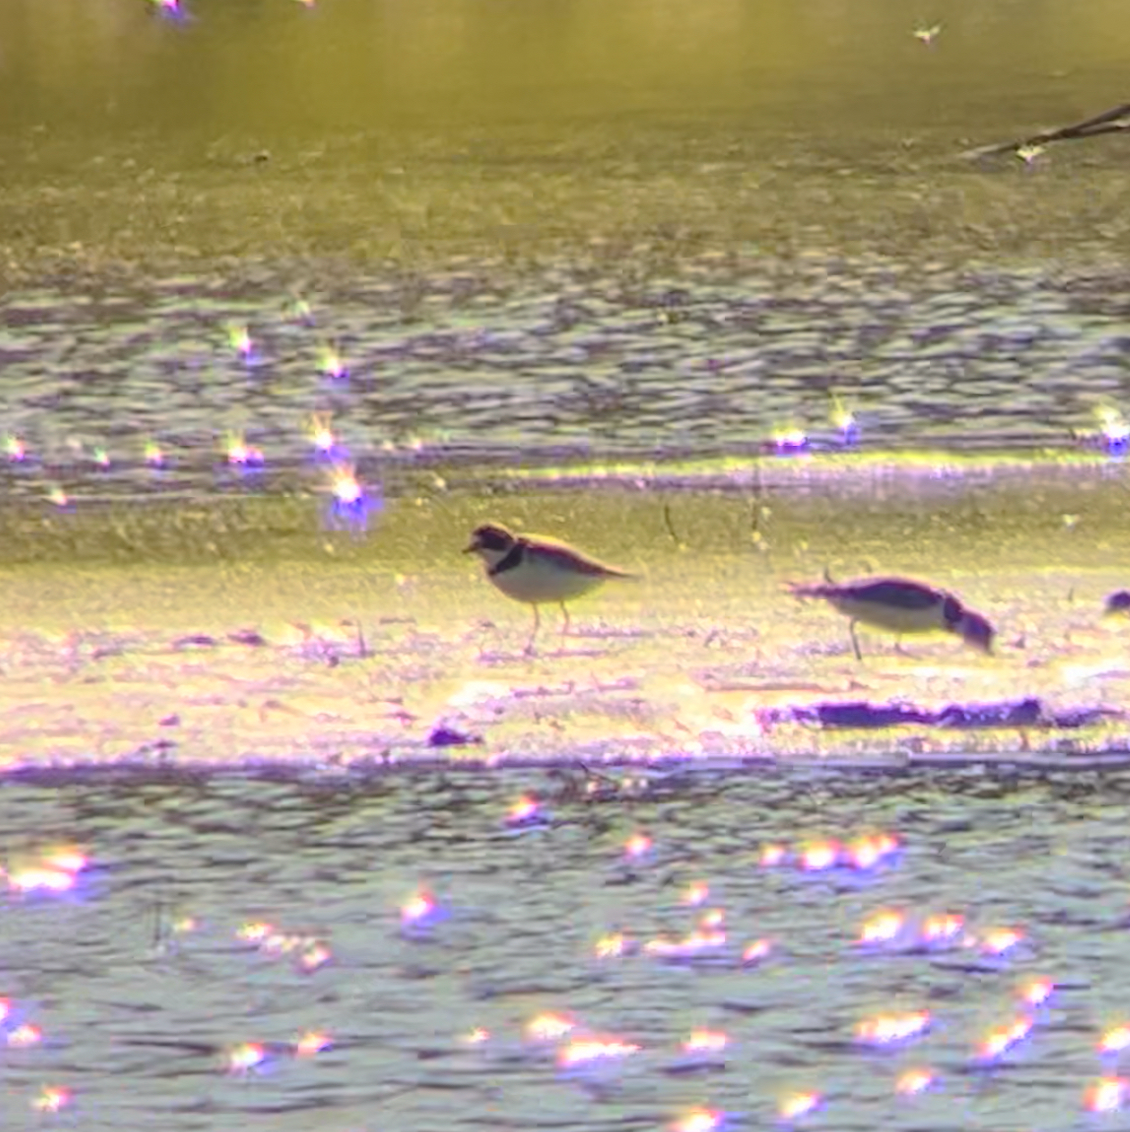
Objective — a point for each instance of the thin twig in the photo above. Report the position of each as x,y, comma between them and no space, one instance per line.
756,508
1108,122
596,774
670,525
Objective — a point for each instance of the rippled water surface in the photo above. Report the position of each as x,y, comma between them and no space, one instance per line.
571,363
143,989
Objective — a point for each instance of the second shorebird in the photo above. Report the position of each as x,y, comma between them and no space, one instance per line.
900,605
537,570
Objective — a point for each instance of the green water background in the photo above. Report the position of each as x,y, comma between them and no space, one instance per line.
417,134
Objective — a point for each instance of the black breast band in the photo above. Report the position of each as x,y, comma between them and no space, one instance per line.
511,559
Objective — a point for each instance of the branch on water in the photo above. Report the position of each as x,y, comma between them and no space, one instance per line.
1116,121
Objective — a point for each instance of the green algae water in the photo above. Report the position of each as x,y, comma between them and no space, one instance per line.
350,139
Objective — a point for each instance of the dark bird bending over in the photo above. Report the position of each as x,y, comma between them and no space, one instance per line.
901,606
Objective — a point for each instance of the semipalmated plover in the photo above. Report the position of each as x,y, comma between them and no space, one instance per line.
900,606
535,569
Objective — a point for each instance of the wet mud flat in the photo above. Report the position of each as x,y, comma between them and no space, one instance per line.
251,635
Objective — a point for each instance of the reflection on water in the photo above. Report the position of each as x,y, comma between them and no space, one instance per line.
236,950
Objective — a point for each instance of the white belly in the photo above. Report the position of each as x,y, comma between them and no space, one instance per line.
892,618
539,582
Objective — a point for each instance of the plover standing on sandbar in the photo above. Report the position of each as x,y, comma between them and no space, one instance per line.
900,605
537,570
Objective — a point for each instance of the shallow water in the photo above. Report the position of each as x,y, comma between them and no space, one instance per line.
142,989
567,363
